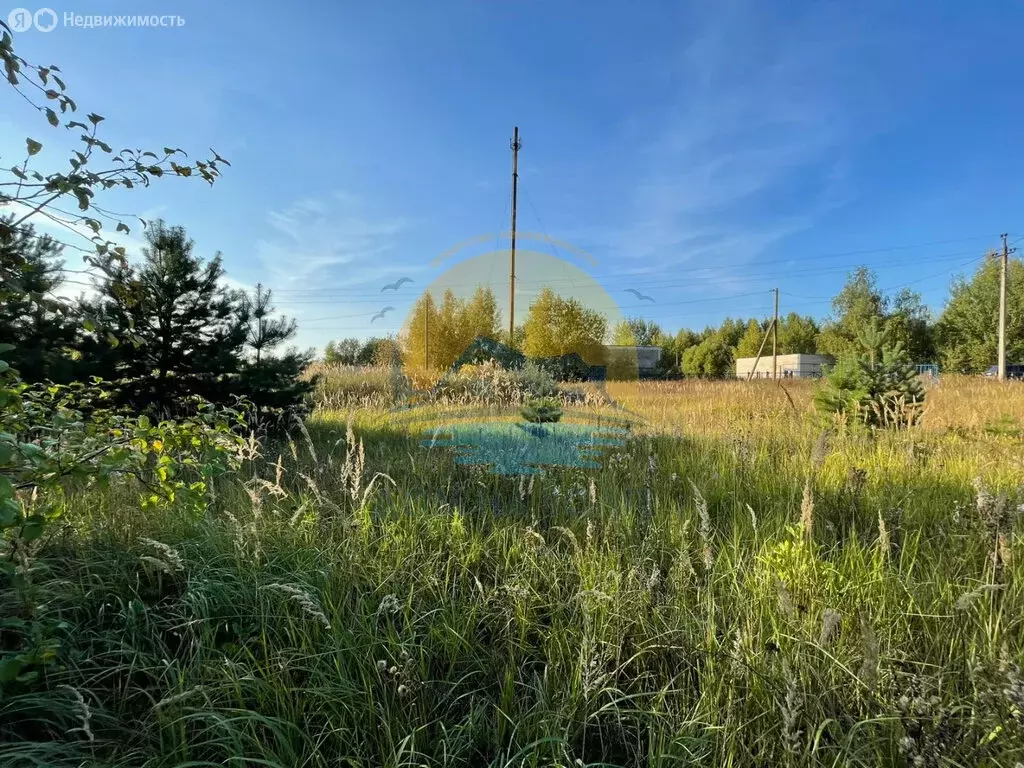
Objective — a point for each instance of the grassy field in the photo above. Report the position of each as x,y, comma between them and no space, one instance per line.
741,585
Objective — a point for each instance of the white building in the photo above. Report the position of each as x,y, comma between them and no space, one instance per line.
788,366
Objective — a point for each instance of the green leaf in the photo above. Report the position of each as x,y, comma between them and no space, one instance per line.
51,116
32,451
89,325
10,668
112,339
9,514
5,347
33,146
94,118
33,529
12,68
122,227
52,94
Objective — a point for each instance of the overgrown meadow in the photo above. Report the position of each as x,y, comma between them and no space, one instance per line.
742,584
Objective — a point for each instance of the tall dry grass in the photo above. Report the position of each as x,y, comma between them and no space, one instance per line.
742,585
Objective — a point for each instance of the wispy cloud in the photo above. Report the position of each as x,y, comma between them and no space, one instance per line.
313,238
749,149
327,257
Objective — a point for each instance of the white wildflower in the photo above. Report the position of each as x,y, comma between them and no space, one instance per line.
389,605
171,561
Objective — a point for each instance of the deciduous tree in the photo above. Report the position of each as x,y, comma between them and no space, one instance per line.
853,308
798,334
713,357
344,351
637,331
557,326
968,328
750,341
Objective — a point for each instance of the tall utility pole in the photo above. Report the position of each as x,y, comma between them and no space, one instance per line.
426,334
1002,311
512,269
775,338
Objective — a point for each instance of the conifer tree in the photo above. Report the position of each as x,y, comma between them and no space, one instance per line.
184,326
878,388
42,332
272,382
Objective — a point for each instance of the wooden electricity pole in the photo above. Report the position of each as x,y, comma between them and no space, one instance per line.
1002,310
426,334
760,349
512,267
775,338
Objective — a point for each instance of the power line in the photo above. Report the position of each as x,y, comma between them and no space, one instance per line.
593,285
888,288
617,306
647,279
809,258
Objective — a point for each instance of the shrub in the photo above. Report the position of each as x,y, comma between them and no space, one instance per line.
492,384
570,367
484,349
542,410
59,438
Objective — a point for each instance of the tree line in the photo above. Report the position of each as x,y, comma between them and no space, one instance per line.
160,330
439,333
165,327
961,339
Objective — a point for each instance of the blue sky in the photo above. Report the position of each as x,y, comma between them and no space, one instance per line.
700,152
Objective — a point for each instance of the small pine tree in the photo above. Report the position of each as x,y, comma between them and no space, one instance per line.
879,387
272,382
543,410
